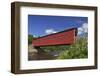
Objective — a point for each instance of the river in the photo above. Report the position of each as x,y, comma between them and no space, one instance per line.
42,56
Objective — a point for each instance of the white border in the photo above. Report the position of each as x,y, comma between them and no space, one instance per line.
25,64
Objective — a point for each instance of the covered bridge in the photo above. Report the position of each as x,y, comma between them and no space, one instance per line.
66,37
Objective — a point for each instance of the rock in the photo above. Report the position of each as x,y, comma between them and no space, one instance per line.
31,49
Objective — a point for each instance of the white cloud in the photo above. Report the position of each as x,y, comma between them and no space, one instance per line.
80,30
50,31
83,29
35,36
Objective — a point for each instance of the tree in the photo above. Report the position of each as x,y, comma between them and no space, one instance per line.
30,38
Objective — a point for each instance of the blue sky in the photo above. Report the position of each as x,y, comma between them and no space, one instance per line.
40,25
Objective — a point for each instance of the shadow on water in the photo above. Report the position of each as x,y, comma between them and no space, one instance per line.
41,55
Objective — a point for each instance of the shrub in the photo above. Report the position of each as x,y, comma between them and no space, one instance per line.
59,48
77,50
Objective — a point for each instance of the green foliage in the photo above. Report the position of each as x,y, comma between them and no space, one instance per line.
77,50
55,48
30,38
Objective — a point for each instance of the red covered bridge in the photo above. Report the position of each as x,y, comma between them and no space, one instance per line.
65,37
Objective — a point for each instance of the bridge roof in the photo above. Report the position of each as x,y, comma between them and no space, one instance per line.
60,32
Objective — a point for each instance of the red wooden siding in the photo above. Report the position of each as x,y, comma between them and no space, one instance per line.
64,37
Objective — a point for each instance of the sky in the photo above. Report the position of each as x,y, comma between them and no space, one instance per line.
41,25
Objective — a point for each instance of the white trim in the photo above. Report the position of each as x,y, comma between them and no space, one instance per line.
25,64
